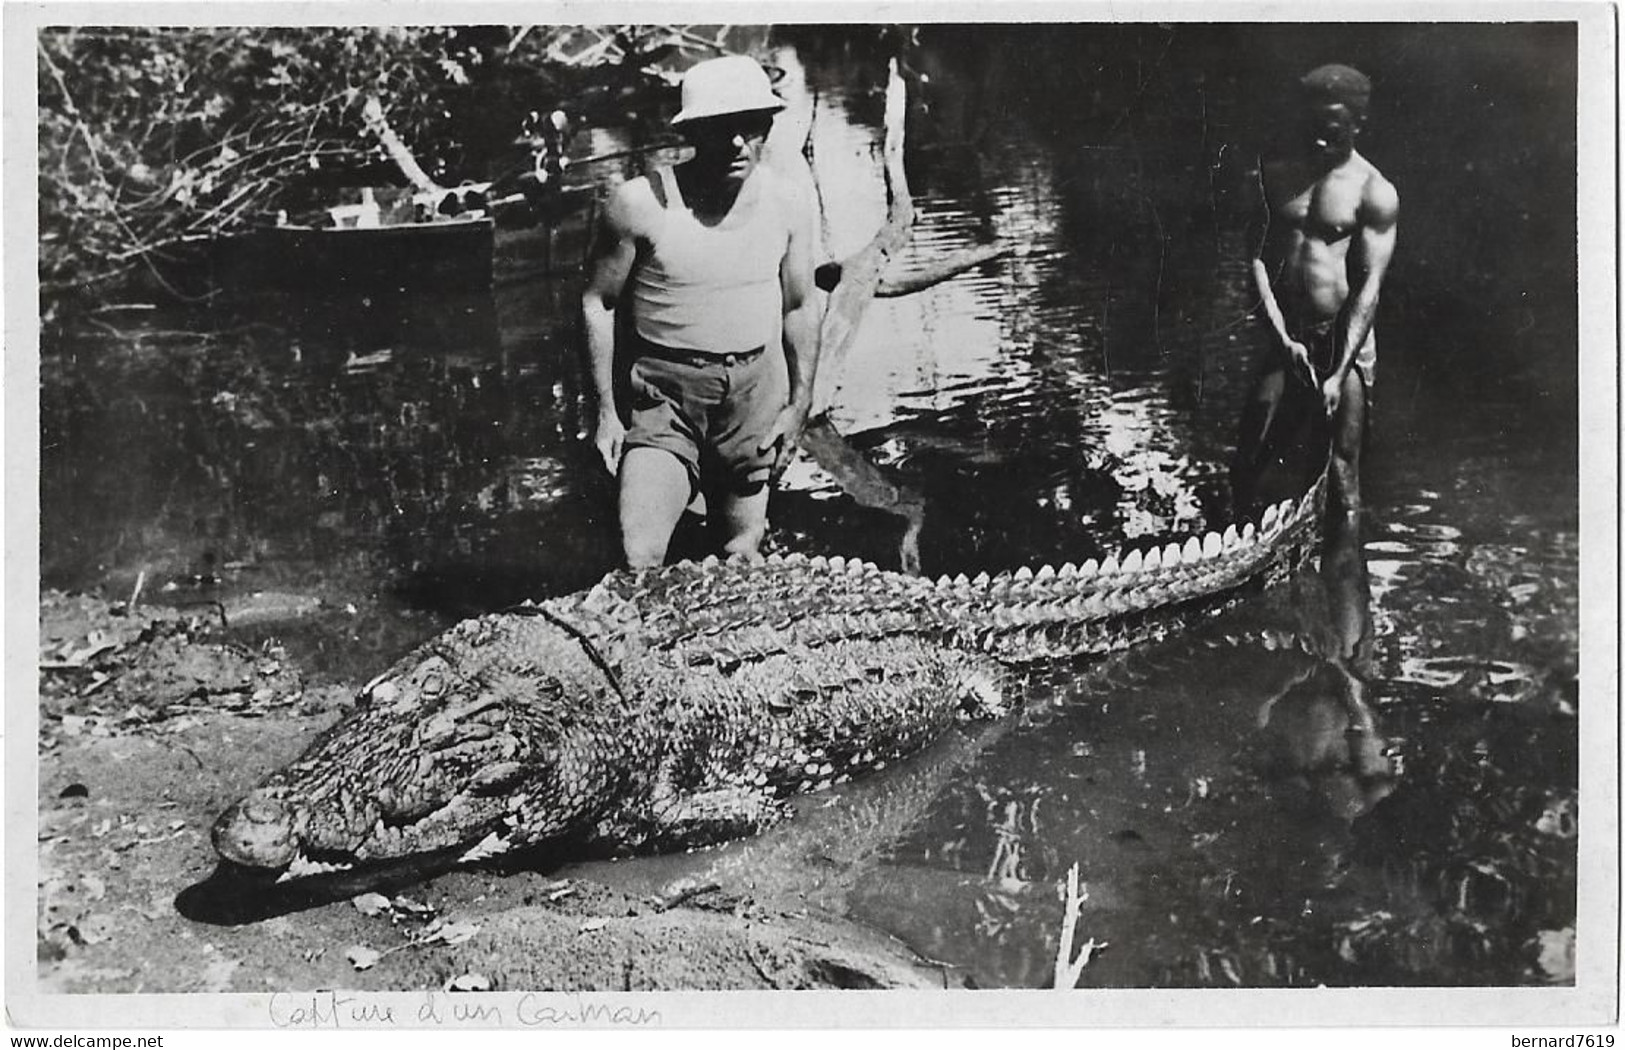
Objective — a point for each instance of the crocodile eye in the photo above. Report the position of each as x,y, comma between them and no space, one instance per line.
429,678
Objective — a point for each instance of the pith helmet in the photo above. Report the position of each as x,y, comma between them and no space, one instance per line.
731,84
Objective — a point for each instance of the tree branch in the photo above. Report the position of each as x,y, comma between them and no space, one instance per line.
941,270
861,272
372,111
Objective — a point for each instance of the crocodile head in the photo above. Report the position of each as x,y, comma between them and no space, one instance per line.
472,745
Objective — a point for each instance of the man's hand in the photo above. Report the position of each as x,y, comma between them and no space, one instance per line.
609,439
784,435
1332,392
1298,355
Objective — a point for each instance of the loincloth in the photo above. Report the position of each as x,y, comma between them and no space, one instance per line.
1321,341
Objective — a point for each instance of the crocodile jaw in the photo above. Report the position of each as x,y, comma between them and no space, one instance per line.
261,833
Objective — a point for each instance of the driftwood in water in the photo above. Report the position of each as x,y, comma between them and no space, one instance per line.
894,286
853,283
868,485
940,270
861,272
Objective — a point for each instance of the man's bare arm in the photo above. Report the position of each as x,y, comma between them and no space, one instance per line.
614,251
1258,239
1368,264
801,337
800,310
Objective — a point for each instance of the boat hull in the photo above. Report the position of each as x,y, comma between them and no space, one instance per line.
446,256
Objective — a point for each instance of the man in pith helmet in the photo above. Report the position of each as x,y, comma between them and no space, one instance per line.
713,260
1324,234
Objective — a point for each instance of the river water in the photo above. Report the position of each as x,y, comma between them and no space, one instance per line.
1241,807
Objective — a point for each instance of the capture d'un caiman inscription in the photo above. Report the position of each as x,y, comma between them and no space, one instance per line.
681,706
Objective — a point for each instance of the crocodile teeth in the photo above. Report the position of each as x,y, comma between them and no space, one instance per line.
1248,531
837,564
857,567
711,562
367,690
1153,560
1172,556
961,581
944,582
1109,566
795,558
1212,545
303,867
1024,573
981,579
1192,550
818,562
1046,573
1089,568
1068,571
775,558
489,846
1231,536
1134,562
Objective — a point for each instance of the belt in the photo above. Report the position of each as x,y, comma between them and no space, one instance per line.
696,358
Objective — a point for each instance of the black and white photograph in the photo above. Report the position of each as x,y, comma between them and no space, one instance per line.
556,524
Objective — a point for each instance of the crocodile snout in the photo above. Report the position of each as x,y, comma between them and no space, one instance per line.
256,832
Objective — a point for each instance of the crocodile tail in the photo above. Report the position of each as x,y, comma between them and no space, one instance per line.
1130,596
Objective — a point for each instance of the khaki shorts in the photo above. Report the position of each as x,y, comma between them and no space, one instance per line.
711,413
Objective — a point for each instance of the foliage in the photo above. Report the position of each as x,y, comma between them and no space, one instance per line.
153,138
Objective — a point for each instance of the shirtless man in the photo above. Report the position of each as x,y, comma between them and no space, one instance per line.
714,259
1324,235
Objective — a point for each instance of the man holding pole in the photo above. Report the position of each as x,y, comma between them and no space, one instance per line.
1326,226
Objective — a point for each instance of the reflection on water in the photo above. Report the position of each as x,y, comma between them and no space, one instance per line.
1368,777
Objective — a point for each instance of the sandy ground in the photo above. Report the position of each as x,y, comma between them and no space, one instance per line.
153,722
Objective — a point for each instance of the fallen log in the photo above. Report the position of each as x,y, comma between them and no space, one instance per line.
853,282
941,270
868,485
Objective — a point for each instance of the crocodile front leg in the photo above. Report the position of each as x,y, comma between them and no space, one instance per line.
738,741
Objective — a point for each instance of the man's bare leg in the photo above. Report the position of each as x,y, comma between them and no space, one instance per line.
1348,435
745,518
654,490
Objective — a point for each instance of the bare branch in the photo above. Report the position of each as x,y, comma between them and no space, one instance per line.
939,271
861,272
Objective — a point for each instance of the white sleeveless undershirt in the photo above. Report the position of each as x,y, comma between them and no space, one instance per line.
713,289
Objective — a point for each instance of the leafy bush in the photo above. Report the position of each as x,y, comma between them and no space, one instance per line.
153,138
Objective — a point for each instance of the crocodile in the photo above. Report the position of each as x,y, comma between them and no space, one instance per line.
688,704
